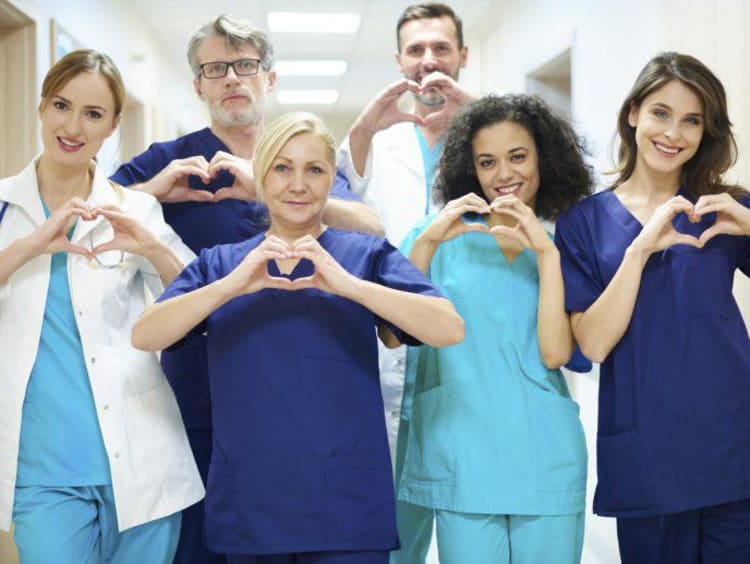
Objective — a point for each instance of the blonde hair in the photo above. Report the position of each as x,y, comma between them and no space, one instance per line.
281,130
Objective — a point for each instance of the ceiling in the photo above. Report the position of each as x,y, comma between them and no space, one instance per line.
369,52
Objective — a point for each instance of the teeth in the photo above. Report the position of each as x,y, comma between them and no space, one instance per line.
69,144
507,189
666,149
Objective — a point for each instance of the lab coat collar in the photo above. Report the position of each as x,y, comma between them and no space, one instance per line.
405,147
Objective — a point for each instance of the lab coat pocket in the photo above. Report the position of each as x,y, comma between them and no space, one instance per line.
560,443
430,451
622,470
360,501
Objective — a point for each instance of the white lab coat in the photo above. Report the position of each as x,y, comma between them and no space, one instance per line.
393,184
152,467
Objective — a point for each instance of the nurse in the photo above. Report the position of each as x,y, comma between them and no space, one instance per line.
84,417
301,470
495,452
648,267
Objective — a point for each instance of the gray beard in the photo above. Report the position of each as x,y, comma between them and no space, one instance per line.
235,119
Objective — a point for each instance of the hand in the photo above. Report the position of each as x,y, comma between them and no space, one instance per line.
382,112
449,222
732,218
454,94
244,178
129,235
251,275
528,231
659,233
52,236
329,275
171,184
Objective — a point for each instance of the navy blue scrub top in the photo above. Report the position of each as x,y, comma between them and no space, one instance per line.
674,396
300,455
201,225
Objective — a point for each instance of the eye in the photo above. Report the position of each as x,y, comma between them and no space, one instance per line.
280,167
59,105
486,163
415,50
245,65
517,157
660,114
94,114
316,169
442,48
694,120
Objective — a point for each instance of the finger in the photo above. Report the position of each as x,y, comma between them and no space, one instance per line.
194,170
513,233
191,195
511,212
305,282
279,283
684,239
474,227
229,194
76,249
112,245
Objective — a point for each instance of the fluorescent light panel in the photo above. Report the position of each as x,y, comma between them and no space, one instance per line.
310,68
307,96
312,22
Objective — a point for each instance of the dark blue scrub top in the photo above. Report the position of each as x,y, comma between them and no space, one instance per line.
300,456
201,225
674,396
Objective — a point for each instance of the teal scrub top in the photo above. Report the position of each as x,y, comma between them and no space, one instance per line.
491,429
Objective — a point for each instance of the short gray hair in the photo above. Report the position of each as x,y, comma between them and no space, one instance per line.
236,33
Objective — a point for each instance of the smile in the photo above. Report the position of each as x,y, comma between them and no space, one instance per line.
68,145
509,189
667,150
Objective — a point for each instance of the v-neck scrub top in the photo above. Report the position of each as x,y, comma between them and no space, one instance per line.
674,394
300,459
491,429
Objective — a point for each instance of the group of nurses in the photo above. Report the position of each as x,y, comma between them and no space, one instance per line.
648,268
300,471
83,415
494,450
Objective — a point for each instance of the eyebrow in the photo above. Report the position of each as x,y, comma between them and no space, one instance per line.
668,107
89,106
513,150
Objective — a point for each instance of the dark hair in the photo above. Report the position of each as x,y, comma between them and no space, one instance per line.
564,176
429,10
717,151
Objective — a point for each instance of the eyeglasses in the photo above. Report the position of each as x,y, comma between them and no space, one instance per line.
219,69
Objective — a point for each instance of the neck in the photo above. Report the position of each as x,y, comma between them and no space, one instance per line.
241,139
290,232
58,184
653,185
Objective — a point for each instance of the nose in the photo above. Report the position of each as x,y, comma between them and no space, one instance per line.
298,183
72,125
231,76
504,171
429,61
672,131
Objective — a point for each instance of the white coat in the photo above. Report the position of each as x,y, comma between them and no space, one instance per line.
394,184
152,467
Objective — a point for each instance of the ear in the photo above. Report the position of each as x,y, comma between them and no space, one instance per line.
633,115
464,53
197,87
399,66
271,78
115,123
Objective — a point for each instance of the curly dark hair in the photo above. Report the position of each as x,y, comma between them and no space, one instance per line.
564,176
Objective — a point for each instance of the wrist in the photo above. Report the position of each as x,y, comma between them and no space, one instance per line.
548,253
638,252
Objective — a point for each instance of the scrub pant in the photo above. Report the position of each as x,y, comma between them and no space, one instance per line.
78,525
719,534
488,539
334,557
191,548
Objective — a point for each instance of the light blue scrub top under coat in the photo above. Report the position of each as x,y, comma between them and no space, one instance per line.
430,160
61,443
491,429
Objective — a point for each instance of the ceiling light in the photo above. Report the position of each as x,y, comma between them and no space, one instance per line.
307,96
310,68
312,22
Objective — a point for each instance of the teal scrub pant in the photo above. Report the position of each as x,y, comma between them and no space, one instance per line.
488,539
78,525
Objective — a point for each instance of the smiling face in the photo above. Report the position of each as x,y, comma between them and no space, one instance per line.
77,119
429,45
232,100
669,126
506,162
296,186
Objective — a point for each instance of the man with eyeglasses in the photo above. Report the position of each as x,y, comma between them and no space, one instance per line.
205,183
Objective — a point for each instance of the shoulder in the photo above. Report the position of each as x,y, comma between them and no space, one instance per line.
584,210
230,254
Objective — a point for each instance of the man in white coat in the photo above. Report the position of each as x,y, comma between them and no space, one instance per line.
389,156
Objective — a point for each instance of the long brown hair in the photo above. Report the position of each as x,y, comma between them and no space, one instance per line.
717,151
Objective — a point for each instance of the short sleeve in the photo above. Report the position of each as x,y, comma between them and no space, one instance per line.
407,244
341,189
141,168
582,283
193,277
394,270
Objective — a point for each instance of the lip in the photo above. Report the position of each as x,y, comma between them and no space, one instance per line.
69,145
296,204
667,151
507,188
231,97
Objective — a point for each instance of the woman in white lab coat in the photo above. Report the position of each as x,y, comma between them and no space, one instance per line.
94,461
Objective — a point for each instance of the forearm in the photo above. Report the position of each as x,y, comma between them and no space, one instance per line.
14,256
360,142
354,216
429,319
165,261
553,324
422,252
602,325
164,323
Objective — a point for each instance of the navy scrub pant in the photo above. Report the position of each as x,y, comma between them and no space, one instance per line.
719,534
335,557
